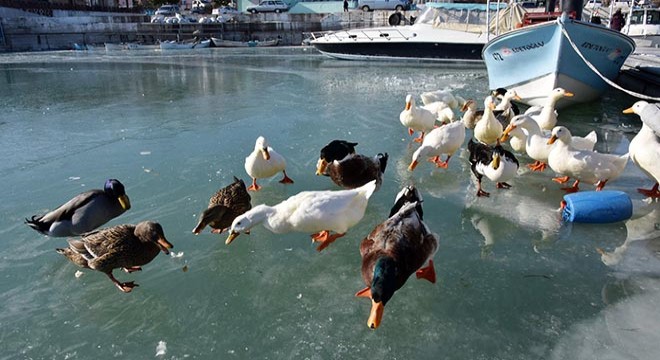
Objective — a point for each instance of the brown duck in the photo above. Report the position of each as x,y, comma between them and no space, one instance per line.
122,246
224,206
356,170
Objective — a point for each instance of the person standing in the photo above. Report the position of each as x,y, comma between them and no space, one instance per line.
616,22
345,5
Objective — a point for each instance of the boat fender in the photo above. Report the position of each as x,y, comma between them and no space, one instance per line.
597,207
395,19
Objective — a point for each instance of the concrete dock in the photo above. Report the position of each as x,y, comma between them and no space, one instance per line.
641,72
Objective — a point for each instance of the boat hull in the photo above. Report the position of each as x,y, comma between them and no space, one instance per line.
230,43
536,59
422,51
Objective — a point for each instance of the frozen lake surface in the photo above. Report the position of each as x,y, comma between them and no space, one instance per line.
513,283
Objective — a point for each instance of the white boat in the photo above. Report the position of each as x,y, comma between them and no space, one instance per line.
115,47
443,32
138,46
643,26
175,45
535,59
253,43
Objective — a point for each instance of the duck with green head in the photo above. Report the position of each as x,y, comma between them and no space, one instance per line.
394,250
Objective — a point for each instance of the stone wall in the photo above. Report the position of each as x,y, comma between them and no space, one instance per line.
29,32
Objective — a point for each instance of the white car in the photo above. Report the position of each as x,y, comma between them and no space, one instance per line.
277,6
168,10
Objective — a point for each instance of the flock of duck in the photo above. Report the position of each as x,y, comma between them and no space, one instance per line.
400,245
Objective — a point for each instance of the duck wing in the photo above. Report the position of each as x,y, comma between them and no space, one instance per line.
64,212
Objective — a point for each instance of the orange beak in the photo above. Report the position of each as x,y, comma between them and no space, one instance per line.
568,94
505,134
413,165
628,110
408,106
552,140
376,314
265,154
232,235
164,245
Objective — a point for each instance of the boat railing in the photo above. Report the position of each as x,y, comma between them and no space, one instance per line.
360,34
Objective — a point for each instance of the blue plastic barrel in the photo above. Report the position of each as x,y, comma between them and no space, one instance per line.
597,207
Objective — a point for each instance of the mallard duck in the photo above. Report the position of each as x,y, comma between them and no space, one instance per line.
335,150
394,250
309,211
416,118
582,165
495,163
546,115
84,213
356,170
264,162
445,139
537,146
644,148
453,101
122,246
225,205
488,129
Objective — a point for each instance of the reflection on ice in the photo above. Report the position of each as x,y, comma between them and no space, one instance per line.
639,252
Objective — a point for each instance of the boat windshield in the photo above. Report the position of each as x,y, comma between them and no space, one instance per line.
470,17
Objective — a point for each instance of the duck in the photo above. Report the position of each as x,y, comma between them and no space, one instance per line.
453,101
443,113
83,213
264,162
517,139
496,163
446,139
416,118
509,109
335,150
546,115
488,129
320,212
582,165
128,247
394,250
537,146
356,170
470,114
224,206
644,149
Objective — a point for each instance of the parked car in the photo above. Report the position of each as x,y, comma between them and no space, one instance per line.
371,5
168,10
277,6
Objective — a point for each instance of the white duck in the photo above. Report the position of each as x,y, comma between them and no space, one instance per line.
416,118
488,130
264,162
309,211
443,113
445,139
453,101
518,140
583,165
546,115
644,148
537,146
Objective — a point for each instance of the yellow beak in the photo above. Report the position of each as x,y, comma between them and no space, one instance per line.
628,110
552,140
568,94
265,154
496,161
505,133
320,166
232,235
124,202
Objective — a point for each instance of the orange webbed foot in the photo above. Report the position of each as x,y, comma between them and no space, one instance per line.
325,239
286,179
254,186
427,273
652,193
561,179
